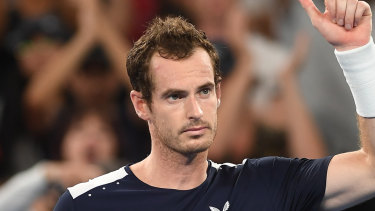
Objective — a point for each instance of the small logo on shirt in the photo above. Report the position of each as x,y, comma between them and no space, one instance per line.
225,208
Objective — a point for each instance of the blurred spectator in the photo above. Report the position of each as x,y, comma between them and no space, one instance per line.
88,147
87,71
20,59
50,71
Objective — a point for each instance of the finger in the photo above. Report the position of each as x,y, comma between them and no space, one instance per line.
363,9
331,8
311,10
351,7
340,11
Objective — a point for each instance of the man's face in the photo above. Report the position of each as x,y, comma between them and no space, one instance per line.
183,114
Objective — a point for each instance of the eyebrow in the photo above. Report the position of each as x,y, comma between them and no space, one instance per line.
207,85
169,92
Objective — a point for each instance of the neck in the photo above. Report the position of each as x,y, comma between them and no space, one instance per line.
172,170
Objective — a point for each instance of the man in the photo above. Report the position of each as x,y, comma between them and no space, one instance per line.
174,73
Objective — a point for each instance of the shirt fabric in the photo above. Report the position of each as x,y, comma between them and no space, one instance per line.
19,192
271,183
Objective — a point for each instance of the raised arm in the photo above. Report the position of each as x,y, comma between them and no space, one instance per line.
43,94
114,44
303,136
346,24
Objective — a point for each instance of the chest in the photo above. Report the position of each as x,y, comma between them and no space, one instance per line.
221,194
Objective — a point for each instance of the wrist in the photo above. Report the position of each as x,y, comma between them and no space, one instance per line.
357,46
359,69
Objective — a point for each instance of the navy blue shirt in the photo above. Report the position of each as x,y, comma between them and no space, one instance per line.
270,183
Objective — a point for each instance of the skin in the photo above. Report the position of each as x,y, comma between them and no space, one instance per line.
182,121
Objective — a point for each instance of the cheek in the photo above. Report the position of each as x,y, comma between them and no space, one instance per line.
107,147
163,121
167,114
72,147
166,123
210,107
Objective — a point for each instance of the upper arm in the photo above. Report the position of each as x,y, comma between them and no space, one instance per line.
350,180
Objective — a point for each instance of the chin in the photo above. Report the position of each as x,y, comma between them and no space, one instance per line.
197,145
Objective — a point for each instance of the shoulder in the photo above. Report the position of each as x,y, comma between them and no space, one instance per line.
271,165
82,188
287,170
256,164
274,162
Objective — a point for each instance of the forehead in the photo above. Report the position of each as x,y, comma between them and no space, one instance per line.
179,74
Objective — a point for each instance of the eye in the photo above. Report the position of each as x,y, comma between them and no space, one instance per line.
174,97
205,92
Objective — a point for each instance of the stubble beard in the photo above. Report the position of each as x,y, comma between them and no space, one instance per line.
178,142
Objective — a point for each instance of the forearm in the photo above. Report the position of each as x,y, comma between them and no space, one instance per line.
367,137
117,49
48,83
359,69
304,139
22,189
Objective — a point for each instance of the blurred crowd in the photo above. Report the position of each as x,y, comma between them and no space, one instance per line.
65,112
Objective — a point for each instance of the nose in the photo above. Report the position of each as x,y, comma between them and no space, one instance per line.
193,108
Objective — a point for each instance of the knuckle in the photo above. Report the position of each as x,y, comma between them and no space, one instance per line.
362,4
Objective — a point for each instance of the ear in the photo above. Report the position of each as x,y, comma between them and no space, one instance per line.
140,105
218,94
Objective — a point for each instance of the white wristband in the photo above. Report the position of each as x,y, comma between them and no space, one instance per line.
359,69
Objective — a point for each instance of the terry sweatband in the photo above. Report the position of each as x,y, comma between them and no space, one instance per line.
359,69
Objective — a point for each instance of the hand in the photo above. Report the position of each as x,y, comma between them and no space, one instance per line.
346,24
88,14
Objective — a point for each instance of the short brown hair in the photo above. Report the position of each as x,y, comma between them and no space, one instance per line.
173,38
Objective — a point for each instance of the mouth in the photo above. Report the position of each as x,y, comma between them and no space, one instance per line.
90,156
195,131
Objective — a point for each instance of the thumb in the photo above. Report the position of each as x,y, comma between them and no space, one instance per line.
312,11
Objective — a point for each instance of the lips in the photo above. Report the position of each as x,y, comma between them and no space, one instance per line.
195,129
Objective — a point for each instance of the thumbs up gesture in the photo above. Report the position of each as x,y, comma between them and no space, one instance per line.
346,24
